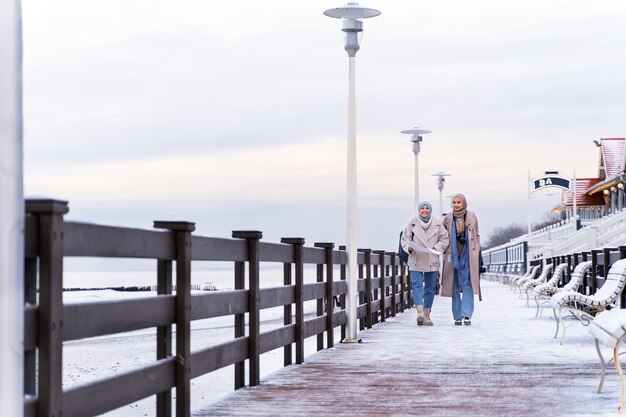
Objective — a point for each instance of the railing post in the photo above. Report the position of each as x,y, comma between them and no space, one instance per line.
402,285
298,243
594,265
368,287
181,232
30,298
622,298
254,301
287,313
342,299
240,324
409,301
381,280
50,218
607,261
330,296
394,289
570,267
164,335
320,304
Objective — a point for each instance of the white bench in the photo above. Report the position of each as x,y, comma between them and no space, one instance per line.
583,307
543,292
532,283
531,274
609,328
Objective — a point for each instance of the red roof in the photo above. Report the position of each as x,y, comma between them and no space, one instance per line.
582,198
613,156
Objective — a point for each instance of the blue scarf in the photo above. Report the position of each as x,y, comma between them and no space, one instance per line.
430,208
460,262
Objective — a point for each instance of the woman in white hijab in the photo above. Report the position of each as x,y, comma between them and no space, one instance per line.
422,238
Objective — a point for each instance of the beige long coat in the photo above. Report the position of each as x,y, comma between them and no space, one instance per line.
447,276
417,238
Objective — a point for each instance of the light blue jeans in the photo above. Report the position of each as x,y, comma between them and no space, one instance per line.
462,299
423,288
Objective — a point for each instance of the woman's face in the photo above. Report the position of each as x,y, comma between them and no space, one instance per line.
457,204
424,211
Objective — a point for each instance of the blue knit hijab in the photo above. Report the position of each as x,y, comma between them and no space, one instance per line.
430,208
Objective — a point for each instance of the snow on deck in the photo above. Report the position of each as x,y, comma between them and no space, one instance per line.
507,363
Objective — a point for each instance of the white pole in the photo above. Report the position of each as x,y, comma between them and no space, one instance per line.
351,270
529,225
575,212
11,212
441,203
417,184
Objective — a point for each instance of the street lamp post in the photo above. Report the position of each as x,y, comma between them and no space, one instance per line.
351,15
416,137
11,212
441,180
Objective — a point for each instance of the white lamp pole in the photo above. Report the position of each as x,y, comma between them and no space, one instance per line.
11,212
351,15
416,137
441,180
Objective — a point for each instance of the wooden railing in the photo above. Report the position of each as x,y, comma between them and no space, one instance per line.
601,261
383,288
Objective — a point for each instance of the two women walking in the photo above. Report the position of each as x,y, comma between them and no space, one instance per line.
457,237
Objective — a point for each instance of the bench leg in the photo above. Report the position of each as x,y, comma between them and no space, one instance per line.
537,302
557,318
621,375
603,365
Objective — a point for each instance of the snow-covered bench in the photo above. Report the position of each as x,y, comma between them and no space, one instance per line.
543,292
609,328
531,274
584,307
532,283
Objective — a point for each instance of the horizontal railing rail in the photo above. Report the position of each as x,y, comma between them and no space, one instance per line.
383,290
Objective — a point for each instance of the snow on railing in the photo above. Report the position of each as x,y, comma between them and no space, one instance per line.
554,231
607,231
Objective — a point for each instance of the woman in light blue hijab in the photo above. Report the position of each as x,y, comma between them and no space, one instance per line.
422,239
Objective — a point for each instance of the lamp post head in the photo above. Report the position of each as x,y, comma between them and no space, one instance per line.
441,179
352,15
416,137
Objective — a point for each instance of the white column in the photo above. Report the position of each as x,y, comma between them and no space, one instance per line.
575,212
11,212
417,184
529,223
441,203
351,246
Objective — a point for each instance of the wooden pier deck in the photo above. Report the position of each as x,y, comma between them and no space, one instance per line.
506,364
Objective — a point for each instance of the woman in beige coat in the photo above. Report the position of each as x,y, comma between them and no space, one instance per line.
423,235
461,274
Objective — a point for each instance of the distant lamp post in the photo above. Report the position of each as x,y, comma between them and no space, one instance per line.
441,180
351,15
620,196
416,137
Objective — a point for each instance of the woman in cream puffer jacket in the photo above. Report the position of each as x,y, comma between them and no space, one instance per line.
423,235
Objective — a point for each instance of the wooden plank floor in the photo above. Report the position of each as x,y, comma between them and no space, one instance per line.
506,364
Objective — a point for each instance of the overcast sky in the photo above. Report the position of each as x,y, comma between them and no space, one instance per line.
233,114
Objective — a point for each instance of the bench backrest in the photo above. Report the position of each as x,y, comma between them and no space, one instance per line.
577,276
557,274
544,273
614,283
